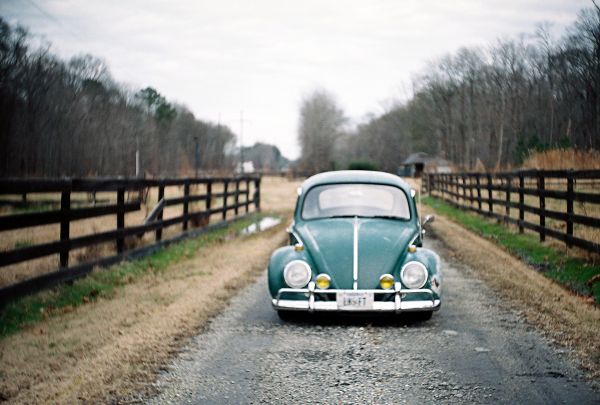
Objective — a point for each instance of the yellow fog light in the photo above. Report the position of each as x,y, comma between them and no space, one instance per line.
323,281
386,281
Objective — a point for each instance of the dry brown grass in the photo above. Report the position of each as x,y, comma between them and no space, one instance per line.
112,347
566,318
562,159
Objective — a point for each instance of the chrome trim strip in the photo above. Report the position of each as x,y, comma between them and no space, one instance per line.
412,241
355,255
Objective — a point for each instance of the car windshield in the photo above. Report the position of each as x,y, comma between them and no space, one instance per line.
363,200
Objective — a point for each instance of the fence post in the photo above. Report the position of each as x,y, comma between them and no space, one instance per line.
478,181
208,197
443,186
471,190
120,218
247,195
186,196
508,183
161,195
65,208
490,195
457,191
570,198
257,194
429,183
464,185
521,202
542,188
225,187
237,196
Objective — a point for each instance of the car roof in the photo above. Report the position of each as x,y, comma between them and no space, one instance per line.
355,176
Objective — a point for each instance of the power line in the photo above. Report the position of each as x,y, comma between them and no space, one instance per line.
54,19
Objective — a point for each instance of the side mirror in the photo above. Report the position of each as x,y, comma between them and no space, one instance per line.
428,219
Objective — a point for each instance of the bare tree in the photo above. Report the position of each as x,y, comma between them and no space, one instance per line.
320,125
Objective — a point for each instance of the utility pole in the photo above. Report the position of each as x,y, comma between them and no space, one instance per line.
197,164
242,121
137,155
242,141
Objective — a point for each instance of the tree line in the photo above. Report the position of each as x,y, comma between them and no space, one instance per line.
478,106
71,118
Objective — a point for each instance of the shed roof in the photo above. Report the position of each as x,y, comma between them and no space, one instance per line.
419,157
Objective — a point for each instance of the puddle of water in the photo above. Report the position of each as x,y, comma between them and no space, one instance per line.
262,225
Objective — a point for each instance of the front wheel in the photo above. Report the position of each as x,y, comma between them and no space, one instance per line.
422,316
286,315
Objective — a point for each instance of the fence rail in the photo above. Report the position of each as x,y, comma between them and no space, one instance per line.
541,194
238,193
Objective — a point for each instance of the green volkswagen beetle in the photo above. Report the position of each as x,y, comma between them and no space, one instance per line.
355,245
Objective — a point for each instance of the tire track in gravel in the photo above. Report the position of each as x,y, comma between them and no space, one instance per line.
474,350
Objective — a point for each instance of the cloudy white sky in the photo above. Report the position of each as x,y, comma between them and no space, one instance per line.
219,57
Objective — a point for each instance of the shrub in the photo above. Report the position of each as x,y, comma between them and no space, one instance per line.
362,165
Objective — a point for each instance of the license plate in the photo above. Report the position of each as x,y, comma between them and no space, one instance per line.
354,300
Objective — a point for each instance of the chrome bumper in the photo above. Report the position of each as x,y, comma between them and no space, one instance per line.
396,306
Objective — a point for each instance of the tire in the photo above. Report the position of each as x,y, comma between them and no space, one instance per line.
423,316
286,315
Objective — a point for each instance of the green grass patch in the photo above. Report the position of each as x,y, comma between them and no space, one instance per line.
577,274
104,282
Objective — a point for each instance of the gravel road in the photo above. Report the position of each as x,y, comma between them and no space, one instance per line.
474,350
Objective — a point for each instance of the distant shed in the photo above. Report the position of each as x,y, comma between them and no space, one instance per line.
419,162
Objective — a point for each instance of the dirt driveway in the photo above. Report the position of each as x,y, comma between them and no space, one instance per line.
474,350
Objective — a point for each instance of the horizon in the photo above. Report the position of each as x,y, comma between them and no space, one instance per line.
263,58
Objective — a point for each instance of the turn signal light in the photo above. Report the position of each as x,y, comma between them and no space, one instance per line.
323,281
386,281
412,249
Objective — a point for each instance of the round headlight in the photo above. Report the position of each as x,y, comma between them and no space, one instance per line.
323,281
413,275
386,281
297,274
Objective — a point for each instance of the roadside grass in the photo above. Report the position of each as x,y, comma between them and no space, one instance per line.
578,275
29,310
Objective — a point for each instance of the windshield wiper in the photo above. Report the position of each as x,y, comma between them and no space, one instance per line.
387,217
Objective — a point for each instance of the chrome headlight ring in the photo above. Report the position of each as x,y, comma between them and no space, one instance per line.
414,275
297,273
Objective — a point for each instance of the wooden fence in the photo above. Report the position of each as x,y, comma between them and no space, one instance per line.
566,198
234,196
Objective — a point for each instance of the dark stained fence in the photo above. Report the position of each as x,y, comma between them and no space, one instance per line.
509,196
243,190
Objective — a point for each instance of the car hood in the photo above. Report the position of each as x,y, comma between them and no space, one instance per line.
381,244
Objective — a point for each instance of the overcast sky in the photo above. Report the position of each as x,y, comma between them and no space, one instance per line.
219,57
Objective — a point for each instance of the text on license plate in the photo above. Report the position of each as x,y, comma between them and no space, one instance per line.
353,300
